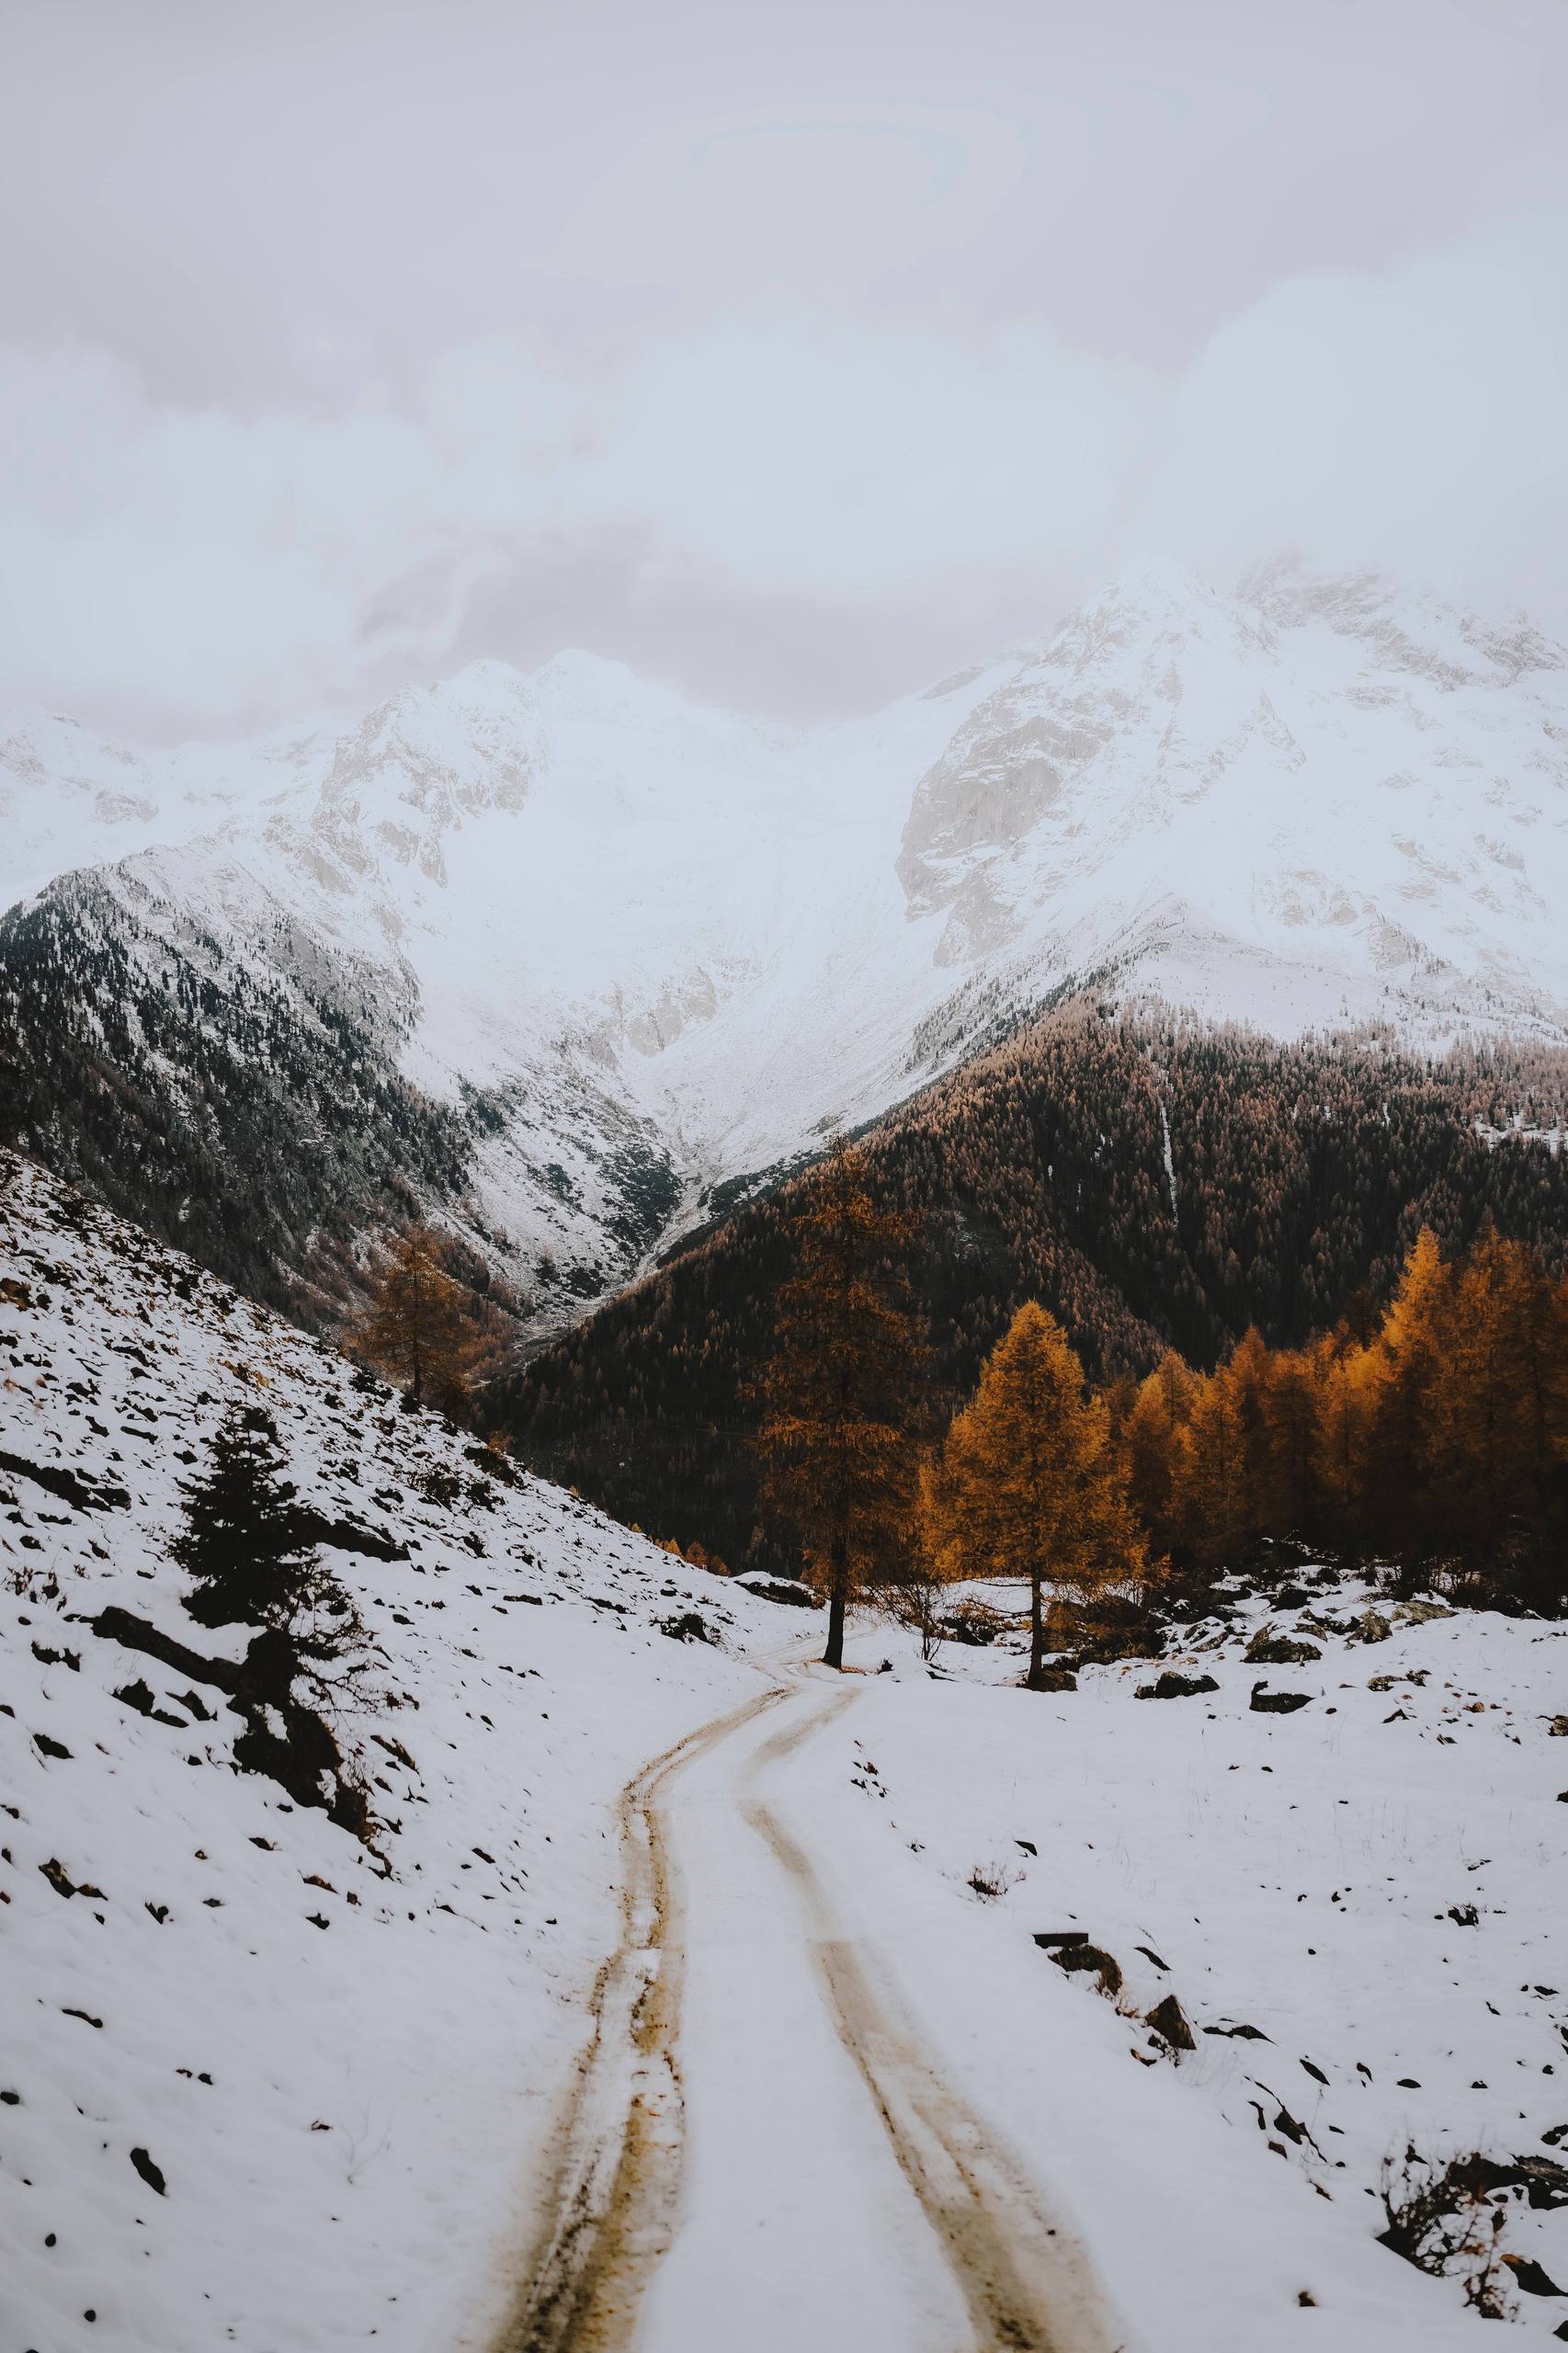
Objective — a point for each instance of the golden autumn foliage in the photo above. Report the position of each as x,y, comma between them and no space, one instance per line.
1030,1484
1440,1438
1158,1186
424,1329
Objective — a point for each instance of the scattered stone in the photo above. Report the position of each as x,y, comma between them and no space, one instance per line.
1049,1939
1421,1613
1075,1958
1171,1686
1530,2276
974,1622
55,1873
689,1626
1054,1679
1270,1649
136,1695
150,2173
48,1748
1276,1703
46,1657
81,1494
1558,1728
1241,2033
1169,2021
1465,1915
1370,1627
1543,2181
788,1590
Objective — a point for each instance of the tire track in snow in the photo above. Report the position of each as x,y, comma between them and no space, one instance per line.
617,2170
1027,2283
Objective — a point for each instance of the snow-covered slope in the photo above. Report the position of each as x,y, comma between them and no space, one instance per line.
1309,803
1358,1907
266,2085
336,2060
637,947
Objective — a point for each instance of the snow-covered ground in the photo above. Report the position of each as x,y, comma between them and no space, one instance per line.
341,2074
1299,1874
266,2087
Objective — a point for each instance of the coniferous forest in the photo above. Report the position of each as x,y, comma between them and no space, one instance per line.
1165,1191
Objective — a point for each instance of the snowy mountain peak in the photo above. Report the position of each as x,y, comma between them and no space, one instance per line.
642,946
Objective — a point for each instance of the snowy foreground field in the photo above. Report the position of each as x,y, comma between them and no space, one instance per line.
265,2086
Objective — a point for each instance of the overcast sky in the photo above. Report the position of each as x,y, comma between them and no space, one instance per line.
793,350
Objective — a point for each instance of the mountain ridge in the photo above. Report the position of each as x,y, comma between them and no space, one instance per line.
626,951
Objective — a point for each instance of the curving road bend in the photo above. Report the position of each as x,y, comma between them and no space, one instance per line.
760,2151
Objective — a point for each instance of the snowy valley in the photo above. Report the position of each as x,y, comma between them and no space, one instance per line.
272,2083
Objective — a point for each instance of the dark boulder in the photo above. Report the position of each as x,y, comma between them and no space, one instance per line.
1268,1649
787,1590
1169,2021
1276,1703
1088,1957
687,1628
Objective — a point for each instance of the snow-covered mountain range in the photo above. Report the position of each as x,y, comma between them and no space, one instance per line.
604,952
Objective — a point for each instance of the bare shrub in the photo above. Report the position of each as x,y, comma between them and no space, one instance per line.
1442,2219
988,1881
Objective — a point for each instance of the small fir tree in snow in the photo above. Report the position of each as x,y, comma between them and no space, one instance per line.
242,1540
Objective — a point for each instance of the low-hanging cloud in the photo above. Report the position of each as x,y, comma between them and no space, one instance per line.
787,506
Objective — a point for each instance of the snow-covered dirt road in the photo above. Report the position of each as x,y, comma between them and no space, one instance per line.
763,2149
839,2098
268,2086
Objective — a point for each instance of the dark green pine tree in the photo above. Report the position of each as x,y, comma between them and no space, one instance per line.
244,1538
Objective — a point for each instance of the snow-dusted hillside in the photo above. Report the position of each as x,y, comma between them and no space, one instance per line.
627,949
267,2084
338,2062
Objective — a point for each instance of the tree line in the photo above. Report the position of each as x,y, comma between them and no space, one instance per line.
1433,1435
1157,1188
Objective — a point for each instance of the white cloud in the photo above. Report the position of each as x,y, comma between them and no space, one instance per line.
911,493
1412,418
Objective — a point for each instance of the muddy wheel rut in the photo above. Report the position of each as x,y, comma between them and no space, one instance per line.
1025,2284
1026,2281
617,2172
